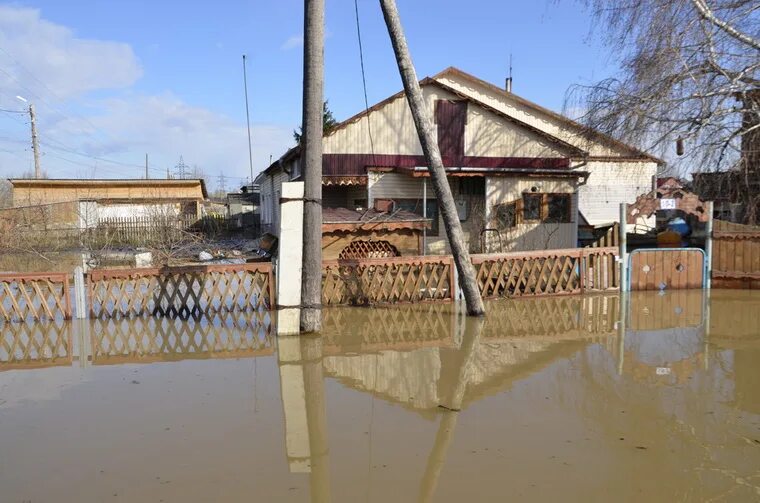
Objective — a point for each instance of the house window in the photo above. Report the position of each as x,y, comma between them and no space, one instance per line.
506,215
475,186
415,206
558,208
532,207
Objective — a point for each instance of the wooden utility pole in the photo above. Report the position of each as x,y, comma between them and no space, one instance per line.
311,157
146,167
35,144
424,123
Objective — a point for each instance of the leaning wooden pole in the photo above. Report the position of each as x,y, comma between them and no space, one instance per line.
311,156
423,120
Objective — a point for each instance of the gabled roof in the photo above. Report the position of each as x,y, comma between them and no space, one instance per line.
580,128
573,151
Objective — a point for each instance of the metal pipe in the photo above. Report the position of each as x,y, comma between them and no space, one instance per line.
708,245
424,215
624,247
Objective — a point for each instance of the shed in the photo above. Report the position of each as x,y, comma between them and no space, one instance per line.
350,234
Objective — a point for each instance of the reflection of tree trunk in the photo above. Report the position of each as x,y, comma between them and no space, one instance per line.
453,403
424,124
316,418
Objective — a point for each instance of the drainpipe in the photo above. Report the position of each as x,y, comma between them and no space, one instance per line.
424,215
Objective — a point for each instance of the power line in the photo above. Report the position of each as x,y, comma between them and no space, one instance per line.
364,80
12,111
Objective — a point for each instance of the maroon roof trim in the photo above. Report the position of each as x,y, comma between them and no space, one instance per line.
357,164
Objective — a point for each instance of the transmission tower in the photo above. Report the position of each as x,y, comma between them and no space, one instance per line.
221,183
181,170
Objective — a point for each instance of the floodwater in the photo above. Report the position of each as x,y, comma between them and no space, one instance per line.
649,398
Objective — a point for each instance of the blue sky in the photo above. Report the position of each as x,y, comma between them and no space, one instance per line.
117,79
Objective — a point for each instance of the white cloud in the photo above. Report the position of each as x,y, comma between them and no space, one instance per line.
292,43
119,124
33,48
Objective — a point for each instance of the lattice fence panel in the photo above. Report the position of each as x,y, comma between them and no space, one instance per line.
387,281
182,291
516,276
362,249
35,344
228,335
34,297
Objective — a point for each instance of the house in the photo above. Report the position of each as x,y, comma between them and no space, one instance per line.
520,174
243,206
84,202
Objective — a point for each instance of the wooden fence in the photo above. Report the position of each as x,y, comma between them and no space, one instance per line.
149,339
180,291
35,297
35,345
736,256
390,280
550,272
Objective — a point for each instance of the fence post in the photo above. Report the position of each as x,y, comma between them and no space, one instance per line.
708,245
79,293
290,260
582,268
623,247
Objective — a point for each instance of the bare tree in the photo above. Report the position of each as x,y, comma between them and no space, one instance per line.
688,82
423,120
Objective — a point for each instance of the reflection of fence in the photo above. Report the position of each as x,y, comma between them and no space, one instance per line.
142,340
736,255
387,281
550,272
401,328
35,345
34,297
181,291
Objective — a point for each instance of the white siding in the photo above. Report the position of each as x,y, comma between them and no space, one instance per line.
271,188
529,115
533,235
612,183
488,135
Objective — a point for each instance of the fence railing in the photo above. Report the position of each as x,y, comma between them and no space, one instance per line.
392,280
180,291
35,297
550,272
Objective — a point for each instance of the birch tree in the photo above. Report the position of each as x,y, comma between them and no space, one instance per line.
688,88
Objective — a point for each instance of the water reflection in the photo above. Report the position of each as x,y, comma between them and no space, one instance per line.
645,396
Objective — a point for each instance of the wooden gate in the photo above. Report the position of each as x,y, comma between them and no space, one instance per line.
666,268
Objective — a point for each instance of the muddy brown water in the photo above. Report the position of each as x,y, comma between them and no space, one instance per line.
648,398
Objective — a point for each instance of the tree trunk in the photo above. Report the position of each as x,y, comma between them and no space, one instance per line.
424,123
311,157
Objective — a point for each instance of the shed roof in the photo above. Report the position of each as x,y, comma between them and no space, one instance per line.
344,219
69,183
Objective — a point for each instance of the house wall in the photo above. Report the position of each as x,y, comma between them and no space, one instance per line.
343,196
612,183
400,186
271,189
530,235
393,132
529,115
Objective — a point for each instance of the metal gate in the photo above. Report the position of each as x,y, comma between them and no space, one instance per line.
666,268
